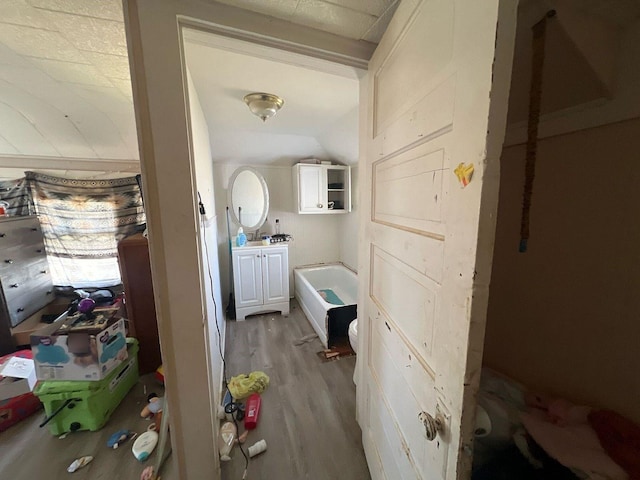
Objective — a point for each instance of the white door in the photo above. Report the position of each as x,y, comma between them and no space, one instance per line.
247,277
437,97
275,275
312,188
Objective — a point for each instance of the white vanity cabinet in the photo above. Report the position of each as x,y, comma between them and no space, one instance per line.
322,188
261,279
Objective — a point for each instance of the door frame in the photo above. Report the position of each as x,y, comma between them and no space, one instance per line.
155,42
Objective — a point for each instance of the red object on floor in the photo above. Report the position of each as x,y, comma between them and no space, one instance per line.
12,410
252,410
620,438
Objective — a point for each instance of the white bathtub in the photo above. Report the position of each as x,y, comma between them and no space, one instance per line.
329,320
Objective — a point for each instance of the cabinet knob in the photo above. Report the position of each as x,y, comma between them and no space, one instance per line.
49,292
39,250
14,285
34,229
20,310
319,205
2,235
43,271
264,256
258,256
8,260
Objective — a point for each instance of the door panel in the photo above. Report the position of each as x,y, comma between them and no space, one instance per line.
247,271
407,298
437,97
425,47
275,269
408,190
312,188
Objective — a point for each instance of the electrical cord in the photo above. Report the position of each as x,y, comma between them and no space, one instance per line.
233,406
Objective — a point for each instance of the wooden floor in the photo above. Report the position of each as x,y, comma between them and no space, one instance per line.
29,452
308,412
307,417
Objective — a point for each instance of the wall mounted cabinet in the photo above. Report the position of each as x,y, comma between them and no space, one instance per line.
261,279
322,188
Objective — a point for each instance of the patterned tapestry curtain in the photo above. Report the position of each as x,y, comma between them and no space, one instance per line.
82,222
16,194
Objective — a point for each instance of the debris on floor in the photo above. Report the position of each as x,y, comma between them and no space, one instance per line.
79,463
241,386
305,339
335,353
257,448
119,438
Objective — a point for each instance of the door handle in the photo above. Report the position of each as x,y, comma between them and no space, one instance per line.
432,425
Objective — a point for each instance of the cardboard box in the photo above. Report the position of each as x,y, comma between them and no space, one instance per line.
80,347
17,377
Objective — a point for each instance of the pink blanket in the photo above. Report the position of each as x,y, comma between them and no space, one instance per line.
564,432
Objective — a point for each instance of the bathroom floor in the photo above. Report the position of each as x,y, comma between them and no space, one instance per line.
307,415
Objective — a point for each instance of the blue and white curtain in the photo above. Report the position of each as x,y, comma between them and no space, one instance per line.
82,222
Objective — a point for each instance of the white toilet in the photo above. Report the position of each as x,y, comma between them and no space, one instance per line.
353,335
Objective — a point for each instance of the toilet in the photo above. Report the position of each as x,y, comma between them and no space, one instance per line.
353,335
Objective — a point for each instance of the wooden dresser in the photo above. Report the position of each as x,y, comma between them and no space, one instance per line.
25,281
135,268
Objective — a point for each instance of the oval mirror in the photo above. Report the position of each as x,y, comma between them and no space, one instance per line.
248,198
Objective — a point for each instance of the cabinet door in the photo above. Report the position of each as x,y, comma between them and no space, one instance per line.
247,277
275,275
312,189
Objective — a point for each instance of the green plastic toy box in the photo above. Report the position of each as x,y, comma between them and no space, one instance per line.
87,405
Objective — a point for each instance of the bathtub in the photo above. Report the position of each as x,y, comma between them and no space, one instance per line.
319,290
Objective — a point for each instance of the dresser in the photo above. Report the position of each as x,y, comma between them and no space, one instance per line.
135,269
25,280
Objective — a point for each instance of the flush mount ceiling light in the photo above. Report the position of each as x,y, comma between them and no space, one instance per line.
263,105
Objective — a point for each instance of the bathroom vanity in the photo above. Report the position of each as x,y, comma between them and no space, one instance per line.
261,278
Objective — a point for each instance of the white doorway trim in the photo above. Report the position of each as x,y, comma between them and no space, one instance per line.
156,53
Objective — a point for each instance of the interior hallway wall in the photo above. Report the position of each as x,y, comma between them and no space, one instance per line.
208,252
563,317
316,238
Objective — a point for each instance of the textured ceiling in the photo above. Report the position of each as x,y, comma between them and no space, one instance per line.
65,89
356,19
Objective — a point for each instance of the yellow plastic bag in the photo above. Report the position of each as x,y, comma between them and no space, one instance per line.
243,385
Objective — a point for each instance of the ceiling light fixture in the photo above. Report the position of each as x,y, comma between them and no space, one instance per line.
263,105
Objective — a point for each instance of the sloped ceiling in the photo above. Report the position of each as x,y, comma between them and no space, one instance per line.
65,89
318,106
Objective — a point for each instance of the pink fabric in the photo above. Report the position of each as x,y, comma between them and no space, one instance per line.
620,437
564,432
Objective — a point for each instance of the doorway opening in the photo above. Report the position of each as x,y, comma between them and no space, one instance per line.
561,315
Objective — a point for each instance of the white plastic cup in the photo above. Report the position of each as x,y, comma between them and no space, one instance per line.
257,448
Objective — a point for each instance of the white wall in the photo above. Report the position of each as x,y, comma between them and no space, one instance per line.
208,236
316,238
563,317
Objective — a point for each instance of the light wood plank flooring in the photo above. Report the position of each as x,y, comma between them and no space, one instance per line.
308,412
29,452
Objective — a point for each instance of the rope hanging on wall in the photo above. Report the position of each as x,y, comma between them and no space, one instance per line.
535,95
